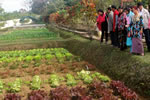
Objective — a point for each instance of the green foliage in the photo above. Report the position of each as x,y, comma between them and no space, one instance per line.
14,15
101,77
36,83
55,80
28,58
49,56
37,57
104,78
60,57
28,34
71,80
15,86
25,66
85,76
1,86
69,56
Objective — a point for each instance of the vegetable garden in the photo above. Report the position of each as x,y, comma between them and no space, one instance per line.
55,74
28,34
52,73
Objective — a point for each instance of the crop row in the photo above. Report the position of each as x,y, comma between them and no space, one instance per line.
35,54
97,90
29,34
54,80
98,87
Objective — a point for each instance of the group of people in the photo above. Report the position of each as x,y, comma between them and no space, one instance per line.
127,27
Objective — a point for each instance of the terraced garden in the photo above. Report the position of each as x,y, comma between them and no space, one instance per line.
52,73
55,74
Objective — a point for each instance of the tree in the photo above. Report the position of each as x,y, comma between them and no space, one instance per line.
1,10
38,6
71,2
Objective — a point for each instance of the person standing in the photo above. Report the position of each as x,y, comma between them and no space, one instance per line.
137,31
110,23
145,14
123,23
102,25
115,33
130,15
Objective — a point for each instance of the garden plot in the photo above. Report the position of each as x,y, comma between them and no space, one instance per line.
55,74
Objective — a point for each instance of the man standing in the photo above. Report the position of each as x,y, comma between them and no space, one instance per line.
145,14
110,24
115,33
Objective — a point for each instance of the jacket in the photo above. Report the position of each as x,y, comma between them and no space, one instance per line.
146,16
100,20
110,21
115,17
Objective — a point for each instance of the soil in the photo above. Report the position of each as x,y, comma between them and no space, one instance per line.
44,70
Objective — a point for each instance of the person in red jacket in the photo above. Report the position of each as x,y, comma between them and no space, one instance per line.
102,24
115,33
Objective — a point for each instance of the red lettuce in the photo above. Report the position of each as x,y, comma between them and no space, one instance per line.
60,93
12,97
38,95
126,93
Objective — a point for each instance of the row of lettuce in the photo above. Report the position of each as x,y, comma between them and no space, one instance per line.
54,80
98,87
36,55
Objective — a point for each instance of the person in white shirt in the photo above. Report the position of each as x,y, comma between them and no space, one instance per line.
146,16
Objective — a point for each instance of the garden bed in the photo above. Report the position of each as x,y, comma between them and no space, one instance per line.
55,74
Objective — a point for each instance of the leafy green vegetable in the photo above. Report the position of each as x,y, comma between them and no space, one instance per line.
37,58
49,56
101,77
104,78
69,56
36,83
1,86
14,86
70,80
85,76
29,58
55,80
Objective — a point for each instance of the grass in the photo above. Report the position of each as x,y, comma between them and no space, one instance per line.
134,70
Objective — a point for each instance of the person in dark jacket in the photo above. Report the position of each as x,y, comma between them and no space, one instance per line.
115,33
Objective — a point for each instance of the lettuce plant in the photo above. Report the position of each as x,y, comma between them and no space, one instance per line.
101,77
12,97
70,80
60,93
126,93
1,86
38,95
60,57
37,57
69,56
85,76
28,58
15,86
49,56
78,92
36,83
55,80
